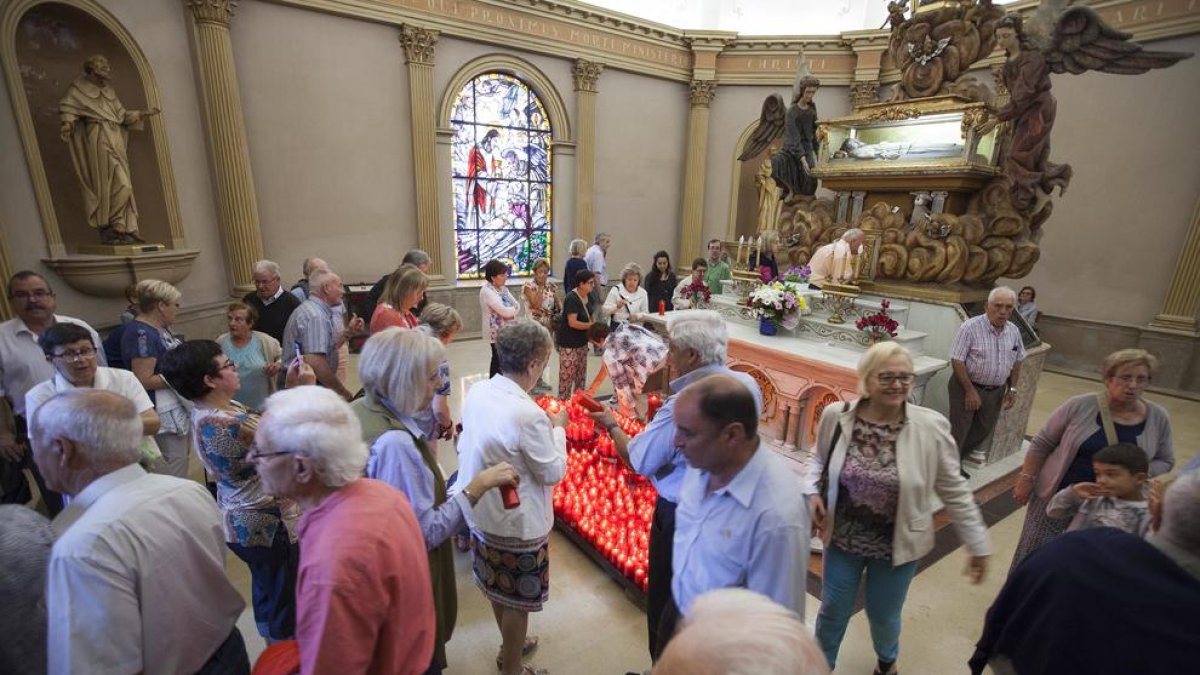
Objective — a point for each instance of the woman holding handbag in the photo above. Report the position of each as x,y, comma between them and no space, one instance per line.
1061,453
878,463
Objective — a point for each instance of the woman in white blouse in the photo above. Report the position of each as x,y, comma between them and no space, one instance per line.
497,306
399,370
628,301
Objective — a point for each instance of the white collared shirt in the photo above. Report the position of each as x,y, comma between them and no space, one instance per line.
136,581
505,425
23,364
278,292
116,380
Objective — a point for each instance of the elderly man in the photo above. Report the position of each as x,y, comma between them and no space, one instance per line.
415,257
833,261
698,343
596,259
718,269
986,358
364,602
273,305
131,588
301,288
733,630
22,366
741,520
25,541
316,330
1103,601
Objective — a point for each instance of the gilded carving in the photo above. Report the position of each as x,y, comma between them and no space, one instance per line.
418,44
893,113
863,93
212,11
702,92
587,74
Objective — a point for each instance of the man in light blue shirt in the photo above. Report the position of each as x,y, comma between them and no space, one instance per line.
741,520
698,344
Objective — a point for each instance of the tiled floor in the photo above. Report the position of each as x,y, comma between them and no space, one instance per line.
590,627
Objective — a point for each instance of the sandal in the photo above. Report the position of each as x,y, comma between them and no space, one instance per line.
527,649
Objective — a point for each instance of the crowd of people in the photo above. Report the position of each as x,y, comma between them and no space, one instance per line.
337,503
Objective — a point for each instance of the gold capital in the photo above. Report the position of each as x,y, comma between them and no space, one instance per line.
587,74
701,92
863,93
418,43
212,11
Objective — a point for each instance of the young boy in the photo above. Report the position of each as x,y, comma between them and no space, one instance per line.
1117,498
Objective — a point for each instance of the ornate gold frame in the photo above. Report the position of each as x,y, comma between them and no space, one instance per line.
33,156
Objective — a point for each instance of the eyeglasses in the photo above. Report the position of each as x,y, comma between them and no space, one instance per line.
228,365
38,294
887,379
255,453
77,355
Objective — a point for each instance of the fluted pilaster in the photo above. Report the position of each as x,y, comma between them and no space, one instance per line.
587,78
236,200
419,44
1183,297
700,93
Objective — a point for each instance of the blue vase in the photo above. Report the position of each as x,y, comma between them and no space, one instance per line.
767,327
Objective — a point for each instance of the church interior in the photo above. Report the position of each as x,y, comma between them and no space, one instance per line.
355,131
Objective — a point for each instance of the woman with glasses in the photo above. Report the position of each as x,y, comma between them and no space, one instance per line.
878,464
69,348
1061,453
259,529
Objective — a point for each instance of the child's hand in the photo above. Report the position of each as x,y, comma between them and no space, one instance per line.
1089,490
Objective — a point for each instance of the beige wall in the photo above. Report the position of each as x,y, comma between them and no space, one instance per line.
1110,247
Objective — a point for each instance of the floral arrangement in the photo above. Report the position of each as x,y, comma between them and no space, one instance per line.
697,292
779,302
796,275
878,325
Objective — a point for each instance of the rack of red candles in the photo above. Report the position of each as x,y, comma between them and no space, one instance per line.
601,503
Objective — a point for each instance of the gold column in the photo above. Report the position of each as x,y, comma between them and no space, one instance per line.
587,76
419,45
6,273
1183,297
237,205
701,93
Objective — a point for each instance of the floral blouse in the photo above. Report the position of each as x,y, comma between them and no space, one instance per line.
543,312
869,484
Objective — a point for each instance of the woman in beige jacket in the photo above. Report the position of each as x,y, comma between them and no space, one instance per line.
871,483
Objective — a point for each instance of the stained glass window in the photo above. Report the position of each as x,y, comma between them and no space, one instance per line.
501,175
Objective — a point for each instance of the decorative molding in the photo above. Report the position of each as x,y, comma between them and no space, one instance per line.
556,108
587,75
864,93
11,16
418,44
1182,302
893,114
702,92
212,11
109,275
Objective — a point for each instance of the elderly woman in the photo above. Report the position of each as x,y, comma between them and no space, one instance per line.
510,547
362,593
1026,306
69,348
578,317
1061,453
404,290
661,283
257,526
878,465
496,305
628,301
400,370
541,304
577,250
255,353
145,340
683,298
443,322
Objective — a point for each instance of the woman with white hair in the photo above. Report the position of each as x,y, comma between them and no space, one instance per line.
510,546
878,464
628,300
400,370
575,263
363,601
144,342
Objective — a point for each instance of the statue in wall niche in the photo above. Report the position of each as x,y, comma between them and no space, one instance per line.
792,164
768,200
95,127
1059,39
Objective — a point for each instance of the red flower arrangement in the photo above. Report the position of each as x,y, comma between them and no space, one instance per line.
878,325
697,292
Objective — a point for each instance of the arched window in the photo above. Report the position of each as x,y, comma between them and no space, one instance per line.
501,175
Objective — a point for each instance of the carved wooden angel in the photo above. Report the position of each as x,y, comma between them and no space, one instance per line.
1058,39
933,48
792,165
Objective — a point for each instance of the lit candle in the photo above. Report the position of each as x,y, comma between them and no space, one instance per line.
738,259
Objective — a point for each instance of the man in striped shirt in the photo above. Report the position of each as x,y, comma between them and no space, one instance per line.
986,358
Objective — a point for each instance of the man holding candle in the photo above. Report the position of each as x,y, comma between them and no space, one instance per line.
698,343
834,262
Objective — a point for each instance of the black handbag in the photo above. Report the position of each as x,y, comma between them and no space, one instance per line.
823,483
